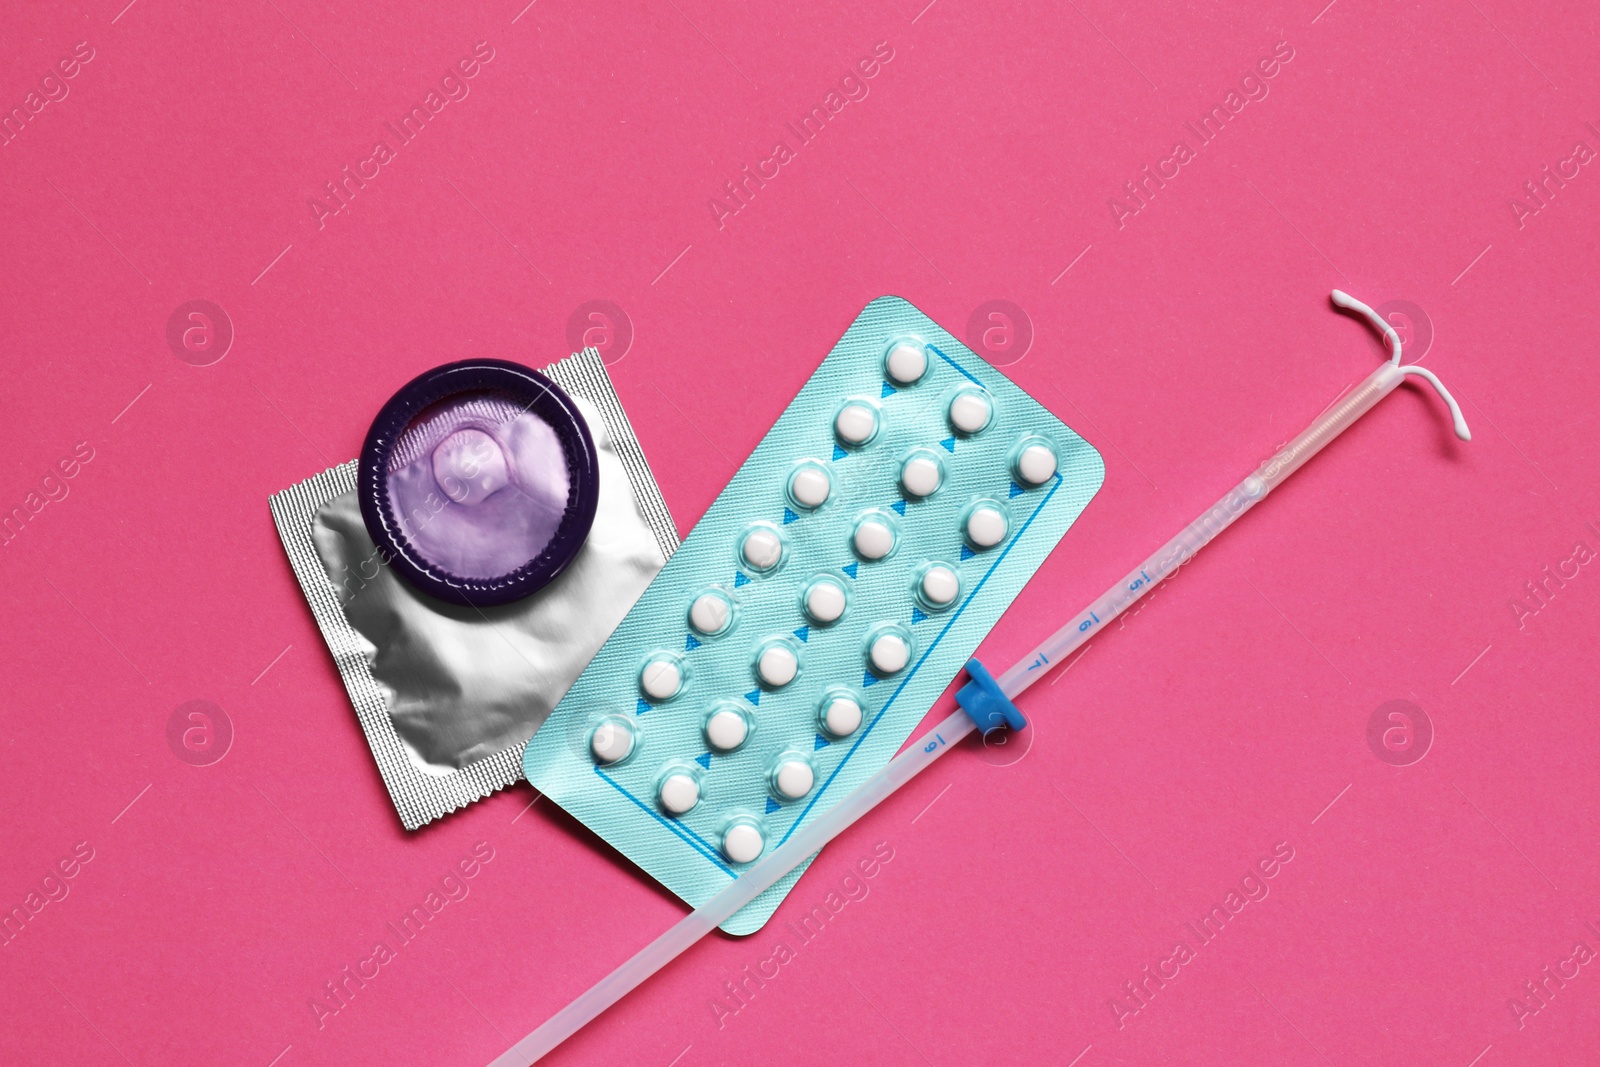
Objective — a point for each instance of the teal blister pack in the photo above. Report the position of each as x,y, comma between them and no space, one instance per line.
817,610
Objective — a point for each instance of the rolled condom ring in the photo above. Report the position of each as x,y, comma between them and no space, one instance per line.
478,482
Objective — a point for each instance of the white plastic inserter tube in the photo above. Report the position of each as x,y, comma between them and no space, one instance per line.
811,836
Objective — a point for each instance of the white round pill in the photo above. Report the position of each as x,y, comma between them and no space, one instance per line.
986,527
970,412
743,842
661,679
1036,465
809,486
709,613
856,422
777,665
889,653
842,717
679,792
940,585
611,741
907,362
921,475
726,730
762,549
794,779
874,539
825,601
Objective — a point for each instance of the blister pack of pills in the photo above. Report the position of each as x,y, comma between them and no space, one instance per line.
817,610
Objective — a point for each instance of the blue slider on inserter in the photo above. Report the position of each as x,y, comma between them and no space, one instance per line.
982,699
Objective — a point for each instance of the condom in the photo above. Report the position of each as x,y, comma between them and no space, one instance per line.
478,482
447,694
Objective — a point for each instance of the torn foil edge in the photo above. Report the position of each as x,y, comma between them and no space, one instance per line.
419,798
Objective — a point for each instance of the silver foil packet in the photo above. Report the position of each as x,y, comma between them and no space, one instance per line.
447,696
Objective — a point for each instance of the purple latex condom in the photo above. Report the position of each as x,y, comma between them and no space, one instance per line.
478,482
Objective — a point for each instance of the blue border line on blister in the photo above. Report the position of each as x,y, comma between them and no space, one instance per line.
964,372
701,848
705,848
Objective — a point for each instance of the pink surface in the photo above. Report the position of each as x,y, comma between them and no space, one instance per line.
1228,719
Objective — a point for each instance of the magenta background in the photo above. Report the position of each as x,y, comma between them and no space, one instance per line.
1185,345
